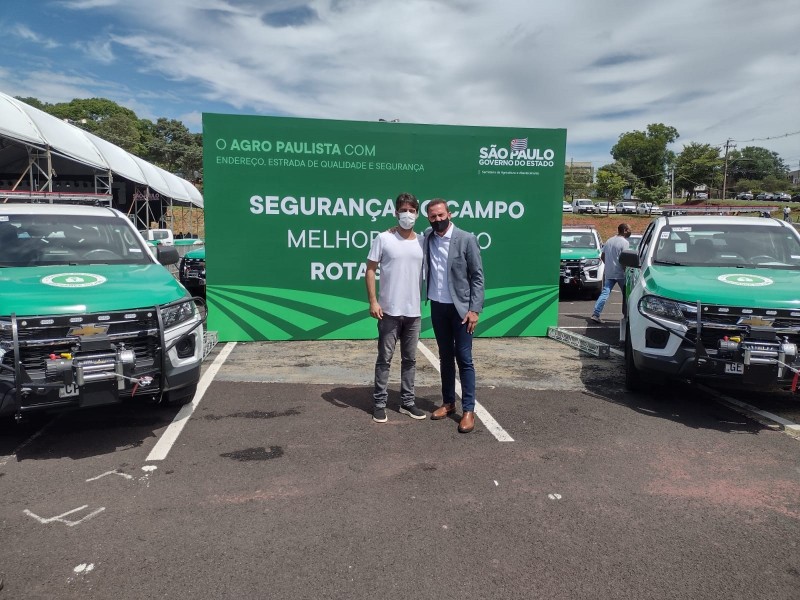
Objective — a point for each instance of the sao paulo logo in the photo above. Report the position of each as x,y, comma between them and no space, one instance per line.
516,154
745,280
73,280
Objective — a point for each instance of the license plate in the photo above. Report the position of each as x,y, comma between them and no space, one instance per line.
734,368
192,274
69,390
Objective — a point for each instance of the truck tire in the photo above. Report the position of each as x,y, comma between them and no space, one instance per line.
633,377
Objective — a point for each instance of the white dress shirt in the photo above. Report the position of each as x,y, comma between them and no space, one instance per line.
439,289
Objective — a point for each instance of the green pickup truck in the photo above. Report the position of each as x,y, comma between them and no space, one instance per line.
89,315
714,298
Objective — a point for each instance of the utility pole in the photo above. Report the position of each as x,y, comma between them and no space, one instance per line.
672,185
725,172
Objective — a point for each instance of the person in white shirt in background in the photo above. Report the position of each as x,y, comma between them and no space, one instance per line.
399,255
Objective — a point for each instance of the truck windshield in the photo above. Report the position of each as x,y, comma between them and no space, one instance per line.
37,240
754,246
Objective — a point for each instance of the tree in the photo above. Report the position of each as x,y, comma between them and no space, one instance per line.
174,148
646,153
609,184
697,164
754,162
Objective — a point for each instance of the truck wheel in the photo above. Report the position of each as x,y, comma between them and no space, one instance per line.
633,377
181,396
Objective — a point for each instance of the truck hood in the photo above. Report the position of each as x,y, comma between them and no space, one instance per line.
762,288
61,289
579,253
199,253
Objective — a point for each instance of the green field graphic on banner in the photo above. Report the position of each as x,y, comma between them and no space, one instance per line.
292,205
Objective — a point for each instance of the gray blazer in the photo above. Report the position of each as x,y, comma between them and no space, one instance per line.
464,270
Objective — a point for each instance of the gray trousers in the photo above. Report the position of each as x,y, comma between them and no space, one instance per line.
389,330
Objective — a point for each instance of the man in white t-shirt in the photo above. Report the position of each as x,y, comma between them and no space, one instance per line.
399,255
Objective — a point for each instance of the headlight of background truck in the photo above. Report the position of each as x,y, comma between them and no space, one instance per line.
177,313
591,262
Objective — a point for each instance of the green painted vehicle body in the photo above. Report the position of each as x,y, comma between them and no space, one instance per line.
690,284
26,293
579,253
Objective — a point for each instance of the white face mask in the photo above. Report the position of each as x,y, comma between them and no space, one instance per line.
406,220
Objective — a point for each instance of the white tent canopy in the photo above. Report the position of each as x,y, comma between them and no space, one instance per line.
24,123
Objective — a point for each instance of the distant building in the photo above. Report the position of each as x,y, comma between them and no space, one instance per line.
794,177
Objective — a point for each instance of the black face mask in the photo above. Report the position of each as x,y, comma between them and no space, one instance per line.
440,226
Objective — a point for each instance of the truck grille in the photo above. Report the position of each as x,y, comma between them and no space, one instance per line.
42,336
720,321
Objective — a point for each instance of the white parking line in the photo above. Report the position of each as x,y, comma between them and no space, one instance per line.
170,436
488,420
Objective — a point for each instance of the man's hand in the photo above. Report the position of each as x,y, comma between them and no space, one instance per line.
375,310
471,320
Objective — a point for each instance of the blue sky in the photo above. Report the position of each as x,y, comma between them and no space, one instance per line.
713,69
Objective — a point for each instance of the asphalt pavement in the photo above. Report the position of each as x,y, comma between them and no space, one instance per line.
280,485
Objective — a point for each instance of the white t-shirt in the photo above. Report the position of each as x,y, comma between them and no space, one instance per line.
400,262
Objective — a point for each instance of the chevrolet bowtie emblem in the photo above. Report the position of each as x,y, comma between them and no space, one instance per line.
88,330
756,321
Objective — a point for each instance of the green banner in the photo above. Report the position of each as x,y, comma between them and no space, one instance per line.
291,207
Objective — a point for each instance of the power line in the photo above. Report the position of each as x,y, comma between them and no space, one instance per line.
772,137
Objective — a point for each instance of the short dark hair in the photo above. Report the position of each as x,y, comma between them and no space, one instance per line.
406,198
435,201
622,228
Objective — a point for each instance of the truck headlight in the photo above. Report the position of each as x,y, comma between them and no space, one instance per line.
177,313
655,306
591,262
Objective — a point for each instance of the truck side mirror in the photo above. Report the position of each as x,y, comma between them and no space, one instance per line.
629,258
167,255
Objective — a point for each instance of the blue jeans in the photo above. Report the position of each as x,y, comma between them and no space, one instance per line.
390,329
608,285
455,346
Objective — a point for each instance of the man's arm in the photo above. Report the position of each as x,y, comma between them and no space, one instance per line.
476,286
375,309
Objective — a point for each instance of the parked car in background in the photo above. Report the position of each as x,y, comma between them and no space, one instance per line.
581,267
701,195
781,196
744,196
648,208
192,271
567,207
765,196
605,208
626,207
796,198
582,205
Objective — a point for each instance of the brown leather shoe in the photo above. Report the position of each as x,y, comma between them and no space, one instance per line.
467,423
443,411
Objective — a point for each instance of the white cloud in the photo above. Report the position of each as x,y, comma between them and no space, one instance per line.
714,69
97,50
23,32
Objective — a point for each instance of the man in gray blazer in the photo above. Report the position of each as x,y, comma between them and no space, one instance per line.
454,277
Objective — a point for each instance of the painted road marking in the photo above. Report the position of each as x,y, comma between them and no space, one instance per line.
60,518
480,412
125,475
170,436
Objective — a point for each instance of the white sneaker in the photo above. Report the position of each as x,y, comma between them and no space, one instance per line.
596,319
